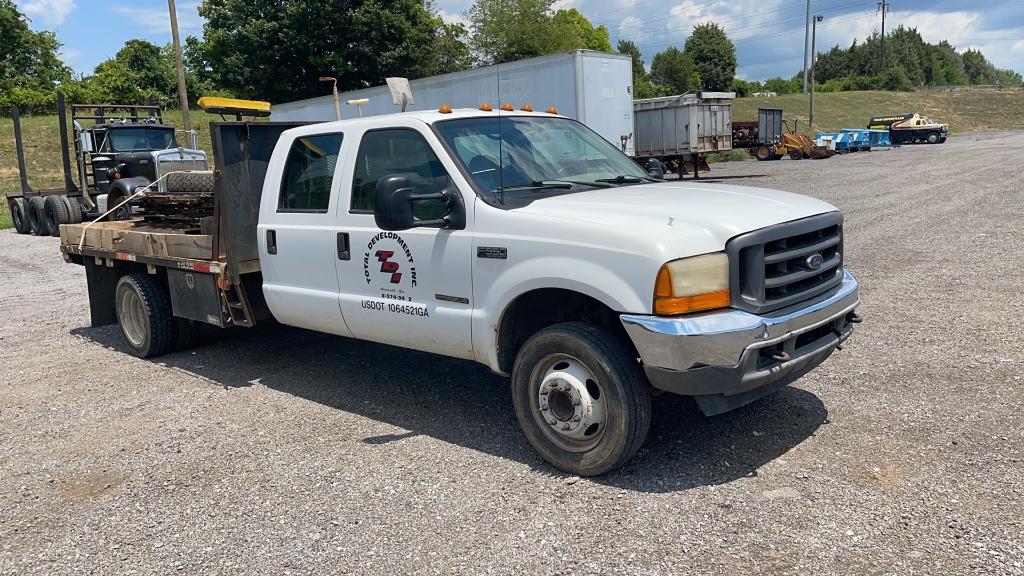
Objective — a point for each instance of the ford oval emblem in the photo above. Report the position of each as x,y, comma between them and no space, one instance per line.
814,261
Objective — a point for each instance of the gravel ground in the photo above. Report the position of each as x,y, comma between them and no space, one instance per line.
279,451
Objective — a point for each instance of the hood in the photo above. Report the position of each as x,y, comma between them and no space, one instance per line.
685,217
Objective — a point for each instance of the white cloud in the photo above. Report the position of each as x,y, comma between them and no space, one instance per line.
158,20
453,18
632,28
70,55
51,12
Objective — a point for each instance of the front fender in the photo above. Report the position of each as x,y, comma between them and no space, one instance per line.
123,187
604,283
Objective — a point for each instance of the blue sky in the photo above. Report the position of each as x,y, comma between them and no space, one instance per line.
768,34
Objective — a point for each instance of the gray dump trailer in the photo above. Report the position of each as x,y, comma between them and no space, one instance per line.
681,130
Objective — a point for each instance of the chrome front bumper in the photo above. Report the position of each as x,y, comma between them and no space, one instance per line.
729,358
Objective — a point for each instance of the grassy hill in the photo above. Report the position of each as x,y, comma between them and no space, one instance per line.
964,111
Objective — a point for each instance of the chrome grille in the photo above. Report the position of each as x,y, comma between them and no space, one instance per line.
781,265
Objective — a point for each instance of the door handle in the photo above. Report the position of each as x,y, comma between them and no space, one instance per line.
343,250
271,242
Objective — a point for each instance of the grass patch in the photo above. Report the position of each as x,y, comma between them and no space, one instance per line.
964,111
42,151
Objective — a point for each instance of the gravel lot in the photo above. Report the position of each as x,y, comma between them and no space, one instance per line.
279,451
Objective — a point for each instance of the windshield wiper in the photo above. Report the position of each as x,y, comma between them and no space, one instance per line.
548,184
623,179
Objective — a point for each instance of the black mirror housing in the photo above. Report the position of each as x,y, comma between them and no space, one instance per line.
393,206
655,169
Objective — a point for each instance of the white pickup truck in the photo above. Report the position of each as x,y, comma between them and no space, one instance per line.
521,240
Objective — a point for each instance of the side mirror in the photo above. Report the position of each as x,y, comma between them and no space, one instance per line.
655,169
393,206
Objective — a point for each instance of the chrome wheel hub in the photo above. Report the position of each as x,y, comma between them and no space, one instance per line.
570,402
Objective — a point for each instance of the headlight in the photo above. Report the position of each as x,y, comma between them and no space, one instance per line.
692,284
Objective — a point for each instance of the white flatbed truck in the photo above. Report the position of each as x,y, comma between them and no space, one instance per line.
520,240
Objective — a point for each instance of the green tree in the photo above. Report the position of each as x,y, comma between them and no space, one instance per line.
507,30
572,30
29,63
277,51
713,55
642,85
673,71
450,48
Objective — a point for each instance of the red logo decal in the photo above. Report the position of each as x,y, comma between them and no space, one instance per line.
383,256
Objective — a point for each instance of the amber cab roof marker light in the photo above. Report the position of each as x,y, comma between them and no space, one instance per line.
552,110
526,108
445,109
486,107
507,107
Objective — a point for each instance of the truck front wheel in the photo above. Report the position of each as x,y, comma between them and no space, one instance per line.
581,398
144,313
933,137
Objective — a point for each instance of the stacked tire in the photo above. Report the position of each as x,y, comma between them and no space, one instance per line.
44,215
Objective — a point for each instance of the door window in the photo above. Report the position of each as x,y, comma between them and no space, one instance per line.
398,152
308,172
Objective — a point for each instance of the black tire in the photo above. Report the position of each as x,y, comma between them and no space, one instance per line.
19,215
55,212
190,183
144,313
932,138
796,154
762,153
622,389
36,218
74,210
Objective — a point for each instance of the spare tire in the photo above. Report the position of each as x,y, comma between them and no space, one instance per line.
36,219
74,210
19,215
55,213
200,182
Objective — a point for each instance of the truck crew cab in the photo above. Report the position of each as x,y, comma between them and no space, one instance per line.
910,128
521,240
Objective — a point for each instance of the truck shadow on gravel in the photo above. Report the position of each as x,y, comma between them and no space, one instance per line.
463,403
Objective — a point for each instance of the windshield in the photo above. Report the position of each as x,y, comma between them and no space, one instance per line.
129,139
536,155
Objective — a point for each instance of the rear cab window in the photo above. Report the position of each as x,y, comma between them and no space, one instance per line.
308,174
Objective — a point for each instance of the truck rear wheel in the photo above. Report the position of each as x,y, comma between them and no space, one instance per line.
581,398
19,215
762,153
56,214
144,314
36,218
796,154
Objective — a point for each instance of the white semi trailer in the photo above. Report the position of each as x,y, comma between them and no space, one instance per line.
595,88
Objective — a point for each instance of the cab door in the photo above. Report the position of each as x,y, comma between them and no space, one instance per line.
297,233
410,288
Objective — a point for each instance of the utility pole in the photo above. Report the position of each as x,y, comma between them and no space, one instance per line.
807,39
182,93
814,54
883,7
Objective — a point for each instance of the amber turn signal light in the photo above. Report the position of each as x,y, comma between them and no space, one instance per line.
666,303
